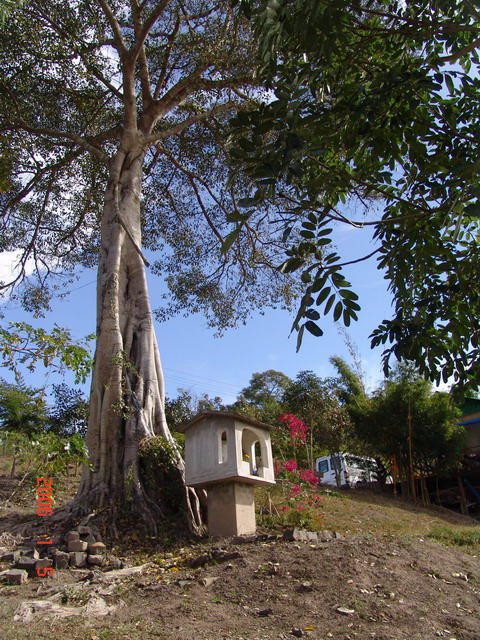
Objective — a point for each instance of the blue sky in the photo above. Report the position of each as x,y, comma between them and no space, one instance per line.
194,359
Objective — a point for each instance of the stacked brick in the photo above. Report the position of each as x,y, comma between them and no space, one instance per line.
80,547
83,548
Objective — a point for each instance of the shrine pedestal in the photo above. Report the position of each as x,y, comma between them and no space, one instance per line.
231,509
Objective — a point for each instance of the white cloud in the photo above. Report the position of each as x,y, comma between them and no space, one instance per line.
9,265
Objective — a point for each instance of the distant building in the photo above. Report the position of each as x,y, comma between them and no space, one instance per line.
470,419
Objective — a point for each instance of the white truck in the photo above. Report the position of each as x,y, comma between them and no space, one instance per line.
346,470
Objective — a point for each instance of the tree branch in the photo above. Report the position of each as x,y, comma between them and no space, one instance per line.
462,52
176,94
205,212
189,85
148,24
143,65
181,126
117,31
434,26
81,51
192,177
60,135
101,78
166,57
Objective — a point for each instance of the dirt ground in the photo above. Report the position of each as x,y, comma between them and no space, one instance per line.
357,586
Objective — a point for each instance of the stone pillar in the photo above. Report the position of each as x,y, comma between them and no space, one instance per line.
231,509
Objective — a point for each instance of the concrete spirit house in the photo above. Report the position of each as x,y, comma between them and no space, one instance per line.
227,454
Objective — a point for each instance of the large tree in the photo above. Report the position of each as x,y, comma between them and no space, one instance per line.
112,133
374,122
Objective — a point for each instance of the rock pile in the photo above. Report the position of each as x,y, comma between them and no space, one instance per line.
84,547
310,536
80,547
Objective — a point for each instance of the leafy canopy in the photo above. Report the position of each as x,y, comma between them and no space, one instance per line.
405,421
79,79
22,408
23,344
374,122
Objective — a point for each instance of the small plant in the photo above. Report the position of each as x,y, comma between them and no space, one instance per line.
160,474
332,493
129,481
302,509
44,452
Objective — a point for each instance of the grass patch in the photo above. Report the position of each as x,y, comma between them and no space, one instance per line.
366,512
465,537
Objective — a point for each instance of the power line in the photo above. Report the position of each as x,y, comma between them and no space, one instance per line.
57,295
193,384
232,387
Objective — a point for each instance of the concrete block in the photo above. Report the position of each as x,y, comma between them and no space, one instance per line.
77,545
231,509
84,531
324,536
29,552
77,559
27,564
60,560
44,563
71,536
96,547
16,576
295,534
11,556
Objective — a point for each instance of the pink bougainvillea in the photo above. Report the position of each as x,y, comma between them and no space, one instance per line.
298,429
307,475
290,465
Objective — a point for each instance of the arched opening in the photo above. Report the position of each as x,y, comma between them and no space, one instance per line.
253,452
222,447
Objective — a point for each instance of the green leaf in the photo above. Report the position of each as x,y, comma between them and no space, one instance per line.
300,337
246,144
313,328
230,239
319,283
323,295
292,264
245,203
473,210
348,293
337,311
329,304
312,314
236,216
449,82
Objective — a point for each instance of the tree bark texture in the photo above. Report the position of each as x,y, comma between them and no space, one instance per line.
127,394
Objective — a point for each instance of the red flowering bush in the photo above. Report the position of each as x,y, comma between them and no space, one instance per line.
302,509
307,475
290,465
298,429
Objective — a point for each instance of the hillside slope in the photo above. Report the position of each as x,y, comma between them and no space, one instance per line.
384,579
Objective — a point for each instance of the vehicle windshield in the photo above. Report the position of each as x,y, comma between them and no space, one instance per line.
358,463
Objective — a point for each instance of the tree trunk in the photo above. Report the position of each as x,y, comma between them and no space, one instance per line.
127,393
